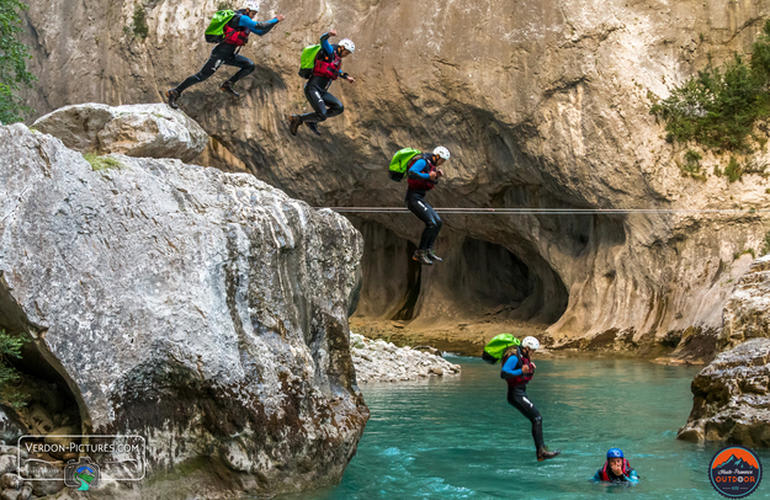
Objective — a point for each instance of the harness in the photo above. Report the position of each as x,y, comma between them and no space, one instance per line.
604,474
416,183
328,66
522,379
234,34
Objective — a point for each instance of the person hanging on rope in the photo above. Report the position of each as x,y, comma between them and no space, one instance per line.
517,370
235,35
327,68
423,174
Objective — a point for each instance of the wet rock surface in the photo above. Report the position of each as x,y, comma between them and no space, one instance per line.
747,312
732,397
381,361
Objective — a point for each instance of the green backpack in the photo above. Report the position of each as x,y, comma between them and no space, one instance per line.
400,161
495,348
307,61
215,33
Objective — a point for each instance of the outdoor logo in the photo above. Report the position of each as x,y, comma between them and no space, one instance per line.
735,472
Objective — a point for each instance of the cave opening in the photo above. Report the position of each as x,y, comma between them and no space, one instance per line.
479,280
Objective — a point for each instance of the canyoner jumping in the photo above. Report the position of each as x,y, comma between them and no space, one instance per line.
517,370
321,64
230,31
422,176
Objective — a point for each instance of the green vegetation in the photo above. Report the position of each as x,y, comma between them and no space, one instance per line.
101,162
719,107
692,166
141,30
766,247
13,63
750,251
734,170
10,348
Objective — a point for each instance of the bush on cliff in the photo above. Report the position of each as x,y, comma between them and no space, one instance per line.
10,348
13,62
719,107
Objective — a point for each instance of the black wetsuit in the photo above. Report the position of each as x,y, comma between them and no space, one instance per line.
415,201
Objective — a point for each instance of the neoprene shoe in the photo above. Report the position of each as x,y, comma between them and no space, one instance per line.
172,95
432,256
419,256
314,127
545,454
294,123
227,87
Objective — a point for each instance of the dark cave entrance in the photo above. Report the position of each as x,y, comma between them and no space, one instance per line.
479,279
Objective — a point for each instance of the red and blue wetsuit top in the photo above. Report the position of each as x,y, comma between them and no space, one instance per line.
419,169
512,369
238,28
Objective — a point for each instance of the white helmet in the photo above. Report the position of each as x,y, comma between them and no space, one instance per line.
441,152
530,343
252,5
347,44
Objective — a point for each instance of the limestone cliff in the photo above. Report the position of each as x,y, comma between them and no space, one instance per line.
542,103
202,310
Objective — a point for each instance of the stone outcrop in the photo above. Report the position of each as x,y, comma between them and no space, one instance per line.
732,397
747,312
542,103
202,310
142,130
381,361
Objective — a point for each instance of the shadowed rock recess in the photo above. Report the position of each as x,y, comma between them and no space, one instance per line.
542,103
202,310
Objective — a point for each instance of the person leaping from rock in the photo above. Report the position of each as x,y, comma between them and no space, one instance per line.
235,35
518,369
423,174
327,68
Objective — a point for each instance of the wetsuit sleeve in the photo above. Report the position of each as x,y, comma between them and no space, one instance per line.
509,368
416,170
255,27
598,476
325,45
632,477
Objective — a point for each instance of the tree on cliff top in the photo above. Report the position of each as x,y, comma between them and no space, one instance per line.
13,62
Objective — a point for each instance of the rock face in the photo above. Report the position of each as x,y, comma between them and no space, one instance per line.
732,397
204,311
747,312
380,361
542,103
143,130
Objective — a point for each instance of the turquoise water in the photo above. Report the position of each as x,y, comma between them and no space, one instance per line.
459,438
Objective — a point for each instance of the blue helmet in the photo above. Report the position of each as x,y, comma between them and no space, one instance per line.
614,453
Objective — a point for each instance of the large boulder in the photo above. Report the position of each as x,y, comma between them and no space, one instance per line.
747,312
142,130
202,310
732,397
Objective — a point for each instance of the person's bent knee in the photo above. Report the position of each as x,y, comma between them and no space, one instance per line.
537,420
250,67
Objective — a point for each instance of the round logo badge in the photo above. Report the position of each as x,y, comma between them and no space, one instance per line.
735,471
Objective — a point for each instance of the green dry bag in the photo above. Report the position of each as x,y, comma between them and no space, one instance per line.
215,33
307,61
495,348
400,162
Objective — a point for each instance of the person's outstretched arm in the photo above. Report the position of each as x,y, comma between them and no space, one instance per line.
259,28
325,45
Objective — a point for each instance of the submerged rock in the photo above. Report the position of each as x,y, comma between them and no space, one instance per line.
380,361
142,130
204,311
732,397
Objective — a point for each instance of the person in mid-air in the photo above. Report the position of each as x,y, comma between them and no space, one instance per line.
518,369
236,34
423,174
616,469
327,68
